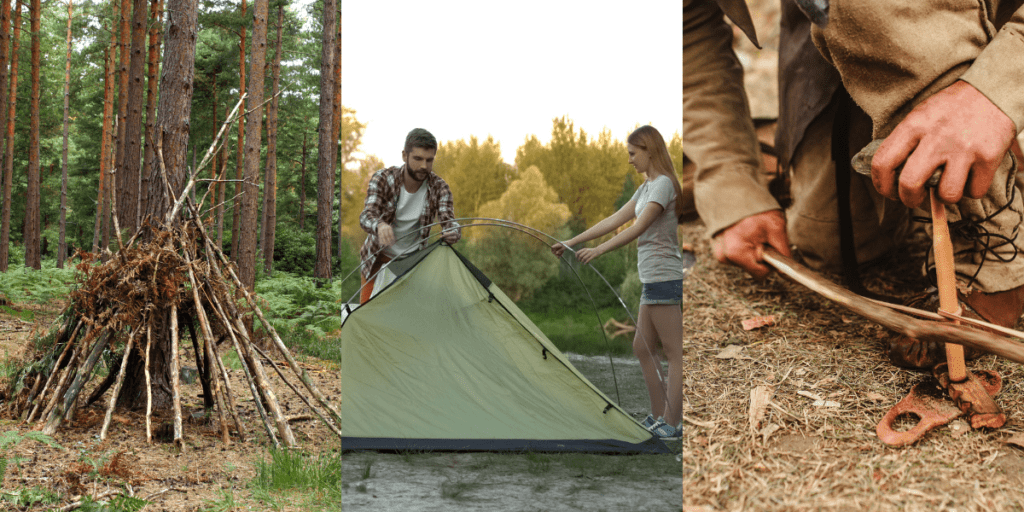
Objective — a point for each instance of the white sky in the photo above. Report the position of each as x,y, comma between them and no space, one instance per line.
465,67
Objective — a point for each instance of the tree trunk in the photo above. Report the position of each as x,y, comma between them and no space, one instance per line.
5,41
222,188
336,126
327,146
172,132
5,223
62,247
155,14
302,186
246,257
270,182
132,155
103,206
33,258
240,159
215,126
121,182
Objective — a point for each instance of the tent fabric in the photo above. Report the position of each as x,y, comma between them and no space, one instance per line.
441,359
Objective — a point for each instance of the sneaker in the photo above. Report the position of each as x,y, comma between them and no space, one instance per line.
1001,308
649,421
665,431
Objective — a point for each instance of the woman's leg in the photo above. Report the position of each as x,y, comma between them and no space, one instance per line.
645,344
667,320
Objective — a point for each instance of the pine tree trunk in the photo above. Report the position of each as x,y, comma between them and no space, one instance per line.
240,159
148,160
103,205
131,162
33,258
336,129
253,120
5,44
221,190
62,247
270,182
121,182
5,216
172,130
327,146
302,186
213,134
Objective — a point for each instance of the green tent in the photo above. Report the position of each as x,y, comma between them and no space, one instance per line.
441,359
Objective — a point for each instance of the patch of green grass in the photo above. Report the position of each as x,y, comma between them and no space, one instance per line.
231,360
366,474
312,342
226,503
293,469
537,463
579,331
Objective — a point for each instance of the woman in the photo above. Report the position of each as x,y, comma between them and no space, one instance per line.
660,322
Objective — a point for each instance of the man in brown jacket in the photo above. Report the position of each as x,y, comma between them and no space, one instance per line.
967,63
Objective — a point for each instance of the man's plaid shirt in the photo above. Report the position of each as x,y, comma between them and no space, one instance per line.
382,201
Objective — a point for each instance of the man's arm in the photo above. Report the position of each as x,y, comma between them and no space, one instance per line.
446,215
370,218
718,134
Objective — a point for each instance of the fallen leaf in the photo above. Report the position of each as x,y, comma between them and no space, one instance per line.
758,322
759,398
732,352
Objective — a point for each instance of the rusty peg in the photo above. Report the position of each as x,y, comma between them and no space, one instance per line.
974,396
926,401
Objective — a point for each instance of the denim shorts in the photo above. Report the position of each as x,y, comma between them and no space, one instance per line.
664,292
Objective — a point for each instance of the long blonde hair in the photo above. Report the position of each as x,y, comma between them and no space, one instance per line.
649,139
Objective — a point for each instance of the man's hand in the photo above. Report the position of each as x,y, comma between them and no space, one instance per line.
450,235
740,244
958,127
385,235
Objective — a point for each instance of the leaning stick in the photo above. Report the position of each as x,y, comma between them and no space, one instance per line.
192,179
56,367
175,384
923,330
149,387
211,353
81,377
117,385
257,400
330,424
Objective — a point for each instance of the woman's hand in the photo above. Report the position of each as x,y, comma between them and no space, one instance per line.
588,255
558,248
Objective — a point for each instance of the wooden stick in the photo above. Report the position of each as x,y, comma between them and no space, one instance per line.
329,423
149,386
211,354
945,275
245,368
206,158
175,384
81,377
923,330
54,371
264,384
117,385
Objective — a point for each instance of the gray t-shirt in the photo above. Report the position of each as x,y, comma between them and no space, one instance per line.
659,257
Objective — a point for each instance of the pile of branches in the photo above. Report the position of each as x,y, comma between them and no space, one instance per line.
174,273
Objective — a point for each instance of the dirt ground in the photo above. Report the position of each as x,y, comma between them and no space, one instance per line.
158,472
830,383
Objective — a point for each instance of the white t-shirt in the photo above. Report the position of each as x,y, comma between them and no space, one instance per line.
659,258
407,220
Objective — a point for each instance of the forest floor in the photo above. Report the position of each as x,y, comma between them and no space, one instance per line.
207,475
806,454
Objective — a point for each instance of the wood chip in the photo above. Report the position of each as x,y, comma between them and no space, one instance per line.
760,396
810,395
758,322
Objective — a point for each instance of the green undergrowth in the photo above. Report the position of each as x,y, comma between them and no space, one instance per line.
21,284
295,475
580,331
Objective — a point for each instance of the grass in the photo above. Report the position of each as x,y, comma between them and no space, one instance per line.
316,478
801,457
580,331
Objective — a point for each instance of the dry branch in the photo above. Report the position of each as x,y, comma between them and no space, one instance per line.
924,330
